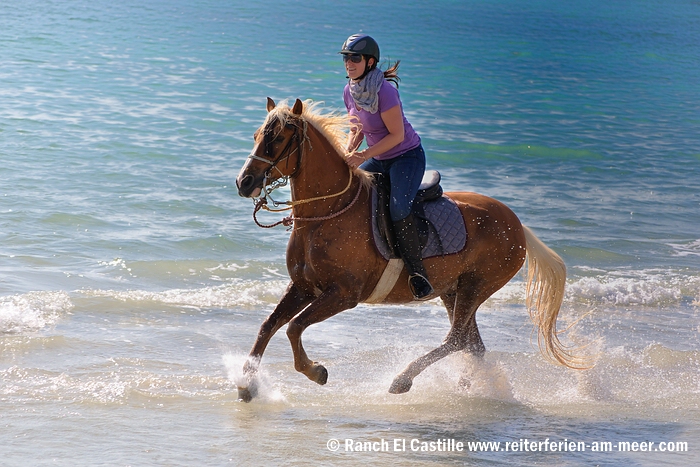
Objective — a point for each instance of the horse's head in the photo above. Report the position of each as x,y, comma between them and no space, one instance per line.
277,150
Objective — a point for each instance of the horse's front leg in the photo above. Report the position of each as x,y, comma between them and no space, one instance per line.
293,301
331,302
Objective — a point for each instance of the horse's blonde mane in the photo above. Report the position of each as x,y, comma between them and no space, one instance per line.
333,125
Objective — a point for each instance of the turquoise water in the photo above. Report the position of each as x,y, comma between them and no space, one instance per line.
133,280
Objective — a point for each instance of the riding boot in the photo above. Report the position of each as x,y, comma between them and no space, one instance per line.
409,245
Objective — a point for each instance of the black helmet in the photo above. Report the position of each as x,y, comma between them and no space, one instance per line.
361,44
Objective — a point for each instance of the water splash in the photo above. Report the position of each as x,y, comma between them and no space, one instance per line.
266,390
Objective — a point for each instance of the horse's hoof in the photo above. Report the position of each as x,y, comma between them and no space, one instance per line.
401,384
247,393
244,394
320,374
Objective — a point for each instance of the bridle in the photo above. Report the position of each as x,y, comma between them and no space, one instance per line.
283,179
261,202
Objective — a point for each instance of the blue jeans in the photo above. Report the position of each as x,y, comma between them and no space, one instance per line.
405,173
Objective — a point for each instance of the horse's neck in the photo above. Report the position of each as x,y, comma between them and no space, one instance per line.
322,172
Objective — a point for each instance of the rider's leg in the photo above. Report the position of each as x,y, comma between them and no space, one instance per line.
405,174
409,246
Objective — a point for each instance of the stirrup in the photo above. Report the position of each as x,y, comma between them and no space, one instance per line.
420,286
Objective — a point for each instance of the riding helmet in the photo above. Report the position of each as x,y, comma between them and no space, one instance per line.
361,44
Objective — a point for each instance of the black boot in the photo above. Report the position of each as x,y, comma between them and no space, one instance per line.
409,246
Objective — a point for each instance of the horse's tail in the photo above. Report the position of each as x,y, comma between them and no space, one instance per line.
546,278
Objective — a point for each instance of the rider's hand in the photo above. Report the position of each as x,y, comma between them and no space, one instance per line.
354,159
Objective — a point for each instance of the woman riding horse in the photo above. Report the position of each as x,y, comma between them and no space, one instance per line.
334,265
394,150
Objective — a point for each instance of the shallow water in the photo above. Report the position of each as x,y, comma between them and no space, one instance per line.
133,280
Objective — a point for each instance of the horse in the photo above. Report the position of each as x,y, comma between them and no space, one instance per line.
334,265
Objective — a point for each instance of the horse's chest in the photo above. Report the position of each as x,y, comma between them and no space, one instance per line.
311,254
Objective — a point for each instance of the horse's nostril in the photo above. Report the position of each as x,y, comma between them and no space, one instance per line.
245,185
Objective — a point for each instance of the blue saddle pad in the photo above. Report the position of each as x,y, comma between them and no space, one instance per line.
448,234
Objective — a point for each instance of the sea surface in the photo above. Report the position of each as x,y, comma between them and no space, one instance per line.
133,279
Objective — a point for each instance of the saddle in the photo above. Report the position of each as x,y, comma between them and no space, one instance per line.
441,228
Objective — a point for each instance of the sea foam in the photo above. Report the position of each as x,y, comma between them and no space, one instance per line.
32,311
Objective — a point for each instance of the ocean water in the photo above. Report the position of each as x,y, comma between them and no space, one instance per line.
133,279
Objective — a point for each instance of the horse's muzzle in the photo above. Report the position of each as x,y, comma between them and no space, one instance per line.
248,186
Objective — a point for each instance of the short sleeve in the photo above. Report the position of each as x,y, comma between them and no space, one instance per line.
388,97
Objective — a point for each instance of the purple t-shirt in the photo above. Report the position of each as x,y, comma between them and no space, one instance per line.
373,126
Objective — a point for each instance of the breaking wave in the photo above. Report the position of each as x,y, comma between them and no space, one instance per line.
32,311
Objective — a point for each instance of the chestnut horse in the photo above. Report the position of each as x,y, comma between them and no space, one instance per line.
333,263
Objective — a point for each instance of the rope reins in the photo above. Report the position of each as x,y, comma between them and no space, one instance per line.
289,220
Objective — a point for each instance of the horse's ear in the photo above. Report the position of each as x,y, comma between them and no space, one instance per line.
270,104
298,107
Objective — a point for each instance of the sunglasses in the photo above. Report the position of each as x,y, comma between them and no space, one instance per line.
354,58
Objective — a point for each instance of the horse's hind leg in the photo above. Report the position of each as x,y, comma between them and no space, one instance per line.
463,335
474,343
449,299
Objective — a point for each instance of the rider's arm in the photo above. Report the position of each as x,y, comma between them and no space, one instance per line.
393,120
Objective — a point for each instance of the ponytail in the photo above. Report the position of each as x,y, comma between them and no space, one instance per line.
391,74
